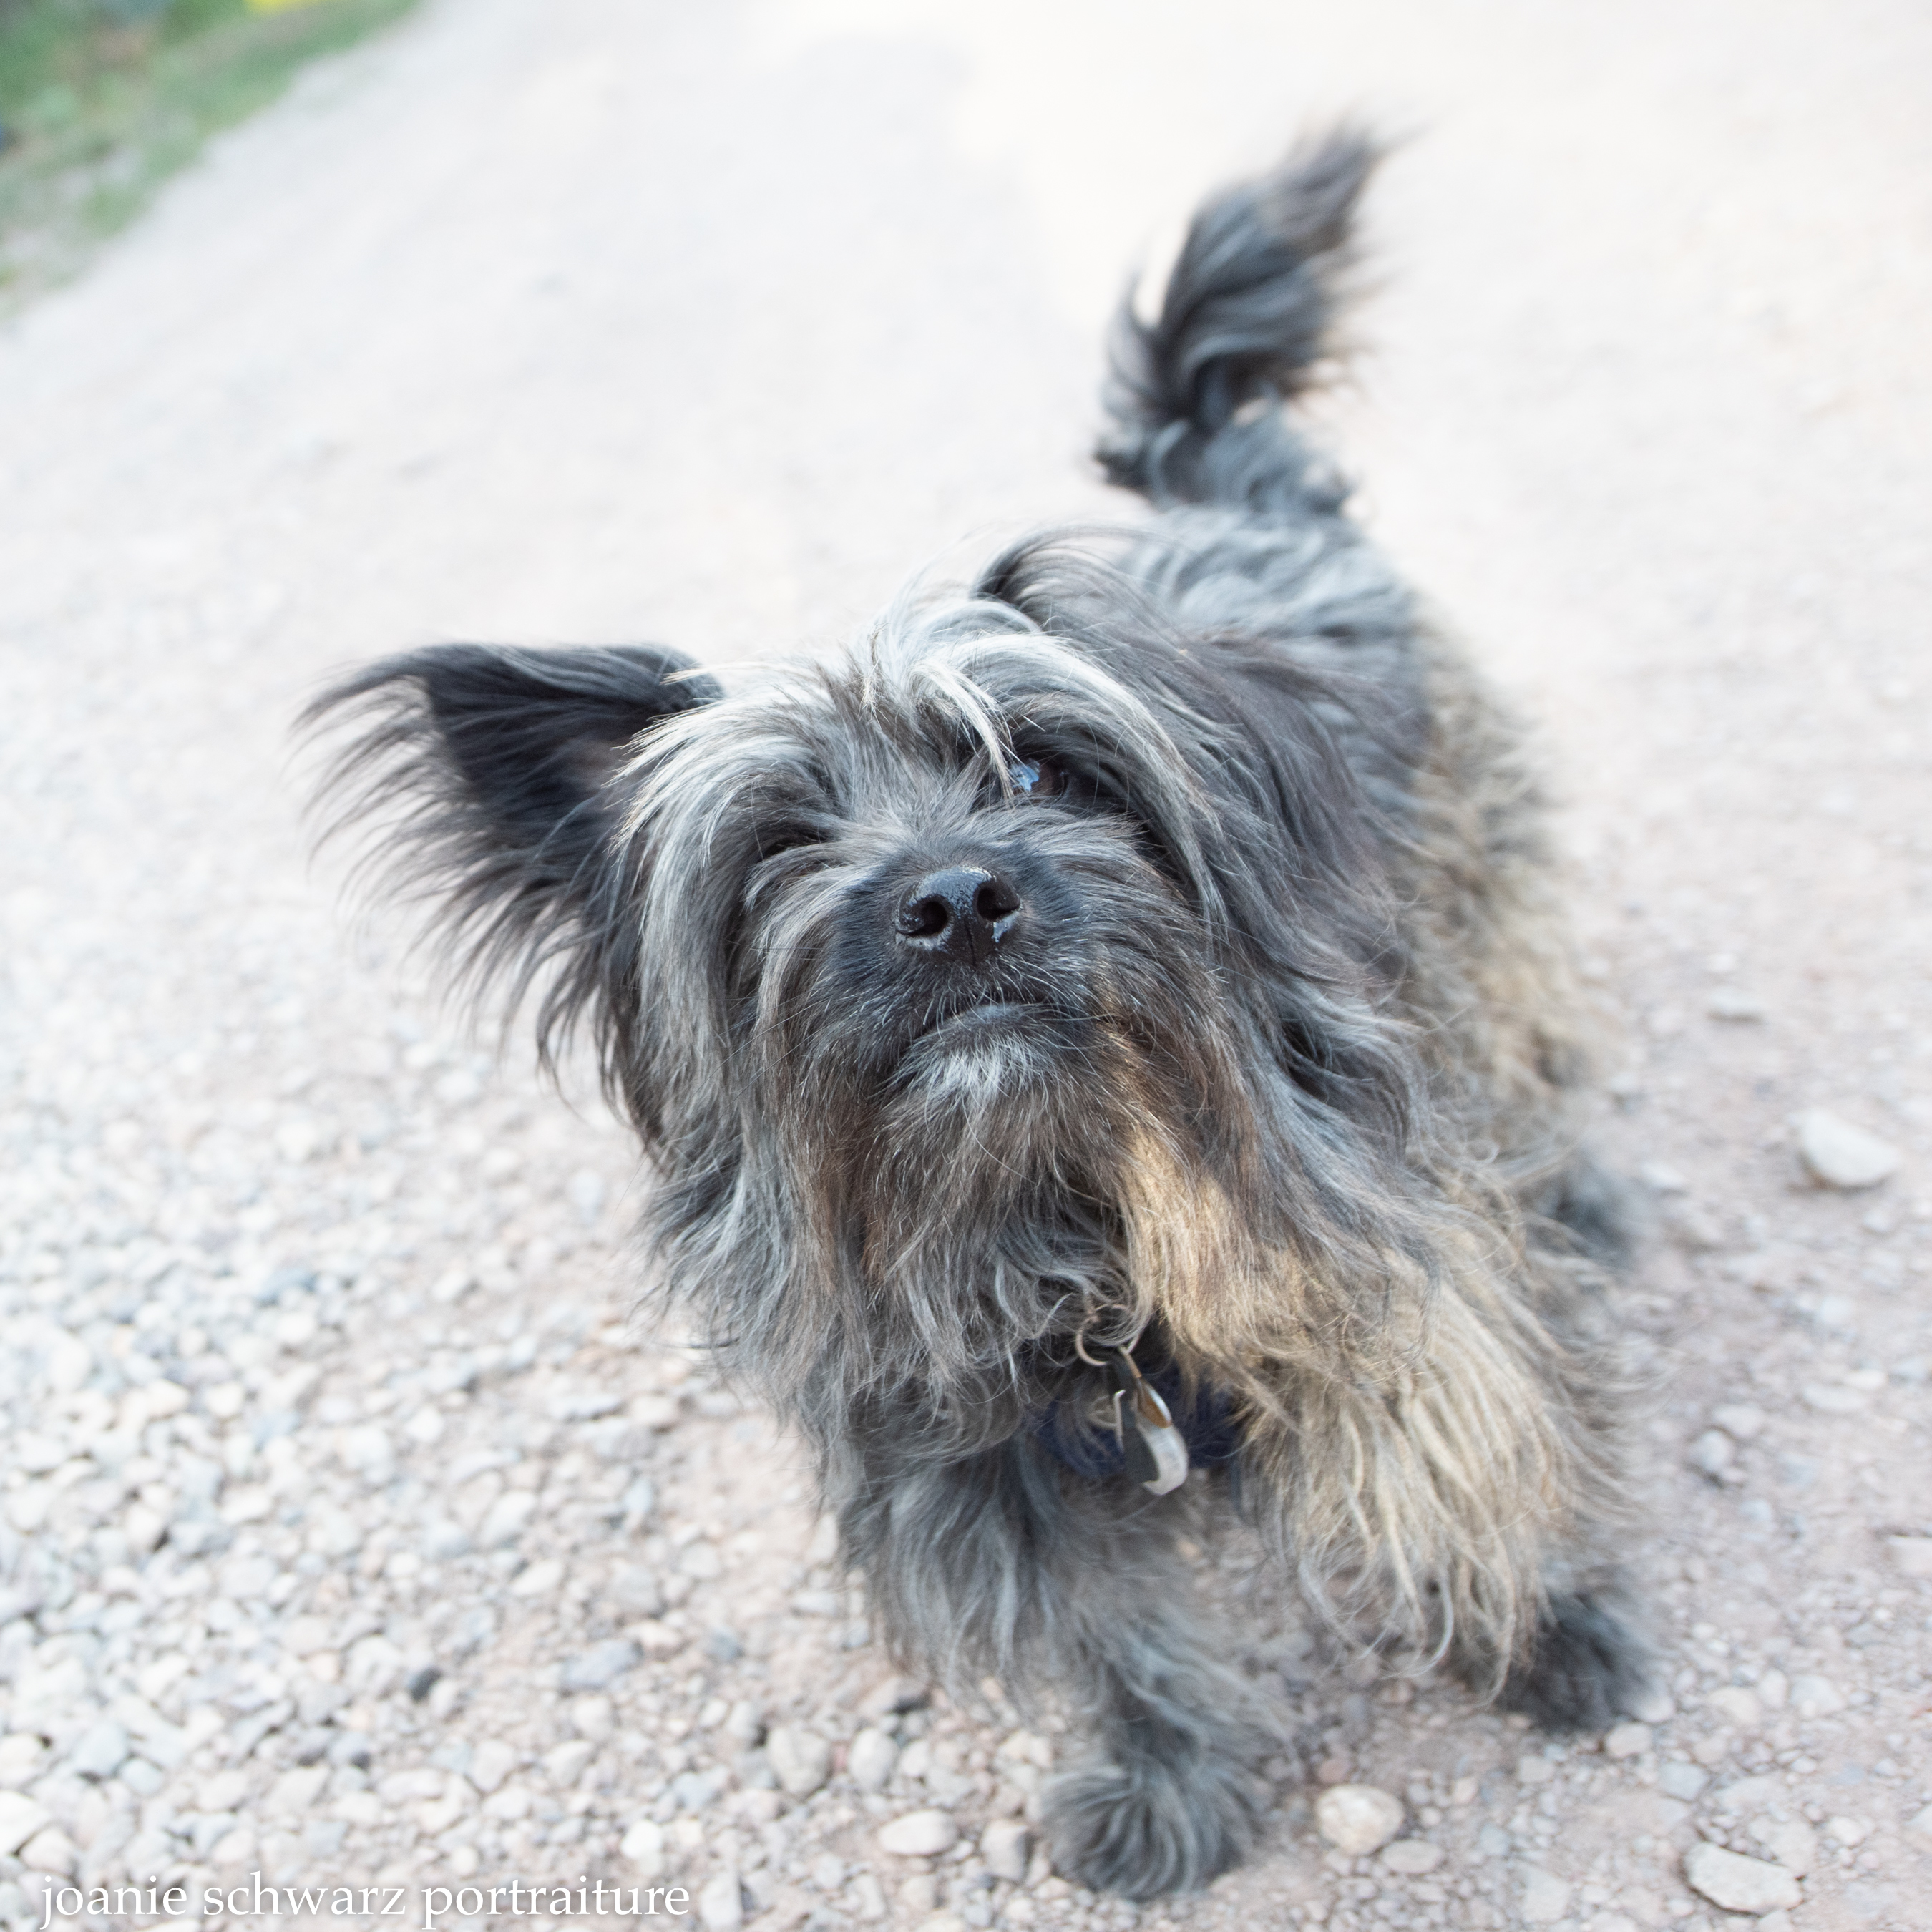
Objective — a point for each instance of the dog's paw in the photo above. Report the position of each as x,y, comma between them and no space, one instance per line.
1586,1667
1149,1827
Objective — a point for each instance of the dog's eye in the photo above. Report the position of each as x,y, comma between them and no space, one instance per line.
1039,777
790,838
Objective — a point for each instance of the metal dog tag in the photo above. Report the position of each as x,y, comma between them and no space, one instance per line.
1157,1451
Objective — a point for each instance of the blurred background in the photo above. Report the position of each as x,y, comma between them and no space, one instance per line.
349,1529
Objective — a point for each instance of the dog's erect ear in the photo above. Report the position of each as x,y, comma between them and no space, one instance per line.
496,766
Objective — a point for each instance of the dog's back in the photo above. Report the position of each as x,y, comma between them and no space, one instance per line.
1253,544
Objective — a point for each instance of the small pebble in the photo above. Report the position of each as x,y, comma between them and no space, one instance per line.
870,1760
100,1751
920,1834
1546,1897
600,1666
1813,1696
1912,1556
51,1850
1828,1399
1738,1883
540,1579
1006,1845
20,1817
1743,1421
1357,1819
721,1903
1737,1706
643,1845
1839,1155
1412,1857
1788,1842
800,1760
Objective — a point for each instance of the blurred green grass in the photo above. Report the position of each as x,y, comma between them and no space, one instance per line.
100,100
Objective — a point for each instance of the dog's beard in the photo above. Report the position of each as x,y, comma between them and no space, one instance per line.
943,1199
961,1210
958,1175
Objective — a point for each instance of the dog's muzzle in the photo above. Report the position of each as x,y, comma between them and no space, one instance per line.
959,916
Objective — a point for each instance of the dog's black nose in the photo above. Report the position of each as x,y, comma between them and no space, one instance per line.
961,913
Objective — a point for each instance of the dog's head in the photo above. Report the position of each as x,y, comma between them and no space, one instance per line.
1024,967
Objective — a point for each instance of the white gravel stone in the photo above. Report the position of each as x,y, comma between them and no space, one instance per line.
1007,1845
334,1533
1714,1452
721,1903
20,1817
1412,1857
1738,1705
538,1579
21,1755
507,1518
1743,1421
924,1834
800,1760
1788,1842
1813,1696
1627,1741
100,1751
1737,1883
50,1849
600,1666
1357,1819
1840,1155
1652,1705
69,1363
644,1846
654,1411
745,1722
1849,1832
635,1590
870,1759
593,1717
565,1763
1912,1556
490,1764
1546,1897
701,1562
294,1793
1831,1399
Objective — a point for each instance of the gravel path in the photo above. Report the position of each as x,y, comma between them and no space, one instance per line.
349,1535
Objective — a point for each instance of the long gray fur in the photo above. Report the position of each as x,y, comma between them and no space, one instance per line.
1272,1076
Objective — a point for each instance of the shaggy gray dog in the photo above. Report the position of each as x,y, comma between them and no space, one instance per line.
1111,1027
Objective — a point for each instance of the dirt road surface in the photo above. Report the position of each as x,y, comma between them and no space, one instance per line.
350,1536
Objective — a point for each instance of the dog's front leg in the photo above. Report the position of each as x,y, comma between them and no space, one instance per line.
1073,1590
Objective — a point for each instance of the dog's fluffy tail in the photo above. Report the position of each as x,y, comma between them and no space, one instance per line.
1246,322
